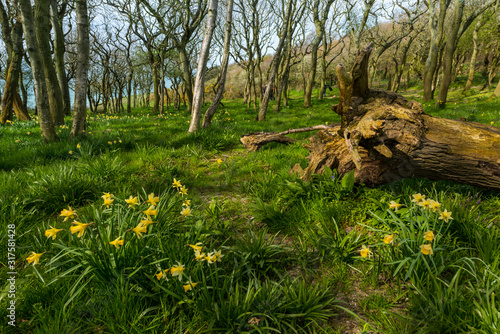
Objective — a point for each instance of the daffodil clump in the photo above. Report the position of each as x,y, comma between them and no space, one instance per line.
178,270
186,204
409,235
135,216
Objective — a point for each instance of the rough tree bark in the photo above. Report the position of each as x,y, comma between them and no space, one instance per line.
383,137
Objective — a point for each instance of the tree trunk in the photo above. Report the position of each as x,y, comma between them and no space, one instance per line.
45,119
276,61
82,68
52,82
156,95
59,51
187,78
209,114
129,89
449,51
383,138
312,73
13,70
436,24
202,66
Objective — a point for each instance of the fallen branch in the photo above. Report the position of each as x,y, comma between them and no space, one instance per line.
254,141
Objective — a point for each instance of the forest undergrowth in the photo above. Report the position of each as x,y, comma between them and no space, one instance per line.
139,227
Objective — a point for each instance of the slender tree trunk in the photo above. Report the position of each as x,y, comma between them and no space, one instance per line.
13,70
24,93
59,51
156,81
312,73
187,78
472,64
105,85
276,61
323,66
82,67
45,119
449,51
207,119
52,82
129,90
436,24
202,66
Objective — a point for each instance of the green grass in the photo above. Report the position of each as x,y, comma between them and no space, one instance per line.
291,248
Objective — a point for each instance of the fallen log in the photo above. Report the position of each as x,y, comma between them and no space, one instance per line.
383,137
254,141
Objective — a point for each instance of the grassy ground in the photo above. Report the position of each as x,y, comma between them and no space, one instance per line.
291,259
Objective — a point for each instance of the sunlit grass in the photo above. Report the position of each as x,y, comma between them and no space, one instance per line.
279,235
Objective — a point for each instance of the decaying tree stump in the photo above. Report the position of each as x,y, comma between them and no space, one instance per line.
384,137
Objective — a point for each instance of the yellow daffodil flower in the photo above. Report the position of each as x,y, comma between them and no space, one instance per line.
80,228
52,232
199,256
117,242
189,286
34,257
365,252
68,214
186,211
78,145
218,256
70,152
210,257
187,202
435,205
151,211
183,191
219,161
394,205
107,195
445,215
418,198
176,183
198,247
139,230
425,204
131,201
159,275
108,201
177,270
429,236
389,239
152,199
146,222
426,249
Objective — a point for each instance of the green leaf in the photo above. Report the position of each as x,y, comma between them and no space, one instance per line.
348,181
